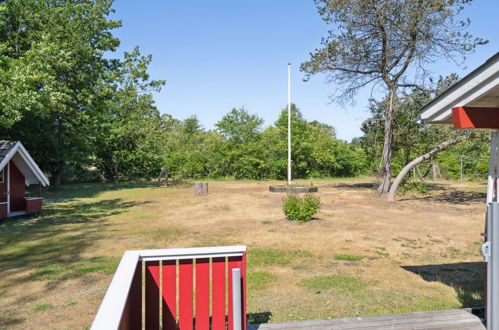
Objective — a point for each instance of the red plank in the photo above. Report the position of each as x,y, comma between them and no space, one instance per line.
152,295
169,294
234,262
243,289
185,294
17,187
203,294
218,293
474,117
132,316
3,185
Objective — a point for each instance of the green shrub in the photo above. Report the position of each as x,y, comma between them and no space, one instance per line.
417,186
300,209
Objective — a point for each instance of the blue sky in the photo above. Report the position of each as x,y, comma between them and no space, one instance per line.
220,54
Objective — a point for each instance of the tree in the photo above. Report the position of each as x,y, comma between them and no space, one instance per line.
242,149
409,166
131,128
52,54
239,126
301,144
387,43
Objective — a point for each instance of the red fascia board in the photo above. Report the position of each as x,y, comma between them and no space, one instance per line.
474,117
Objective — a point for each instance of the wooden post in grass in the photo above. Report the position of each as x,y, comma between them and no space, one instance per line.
201,188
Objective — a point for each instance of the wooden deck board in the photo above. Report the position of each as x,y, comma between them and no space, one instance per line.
449,319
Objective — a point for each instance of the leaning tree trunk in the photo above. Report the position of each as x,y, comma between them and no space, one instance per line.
408,167
386,169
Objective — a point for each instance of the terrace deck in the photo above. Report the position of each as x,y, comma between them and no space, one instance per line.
448,319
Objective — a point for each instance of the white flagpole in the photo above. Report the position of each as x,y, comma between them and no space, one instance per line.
289,123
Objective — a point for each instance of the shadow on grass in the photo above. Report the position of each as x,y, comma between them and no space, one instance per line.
451,197
355,185
49,248
466,278
256,318
89,190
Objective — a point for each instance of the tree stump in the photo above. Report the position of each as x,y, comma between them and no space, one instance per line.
163,175
201,188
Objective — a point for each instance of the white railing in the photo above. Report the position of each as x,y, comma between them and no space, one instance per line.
123,304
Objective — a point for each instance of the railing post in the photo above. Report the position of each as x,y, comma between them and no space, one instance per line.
236,298
493,266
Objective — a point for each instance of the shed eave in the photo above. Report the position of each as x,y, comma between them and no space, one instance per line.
32,166
479,88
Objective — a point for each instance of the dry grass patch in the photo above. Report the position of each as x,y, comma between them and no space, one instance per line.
365,256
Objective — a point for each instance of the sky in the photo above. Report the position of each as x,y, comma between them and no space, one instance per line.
223,54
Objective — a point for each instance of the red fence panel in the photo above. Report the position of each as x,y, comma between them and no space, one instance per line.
218,293
152,295
169,281
203,294
185,294
169,294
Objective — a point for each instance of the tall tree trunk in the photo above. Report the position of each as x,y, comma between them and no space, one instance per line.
56,179
408,167
386,168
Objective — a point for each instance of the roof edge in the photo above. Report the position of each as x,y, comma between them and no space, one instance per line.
29,161
489,62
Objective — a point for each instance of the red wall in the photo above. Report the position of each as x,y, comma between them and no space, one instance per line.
17,188
33,205
3,210
3,186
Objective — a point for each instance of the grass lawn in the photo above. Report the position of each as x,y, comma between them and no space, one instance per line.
361,256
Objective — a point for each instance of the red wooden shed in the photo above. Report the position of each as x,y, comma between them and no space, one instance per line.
17,170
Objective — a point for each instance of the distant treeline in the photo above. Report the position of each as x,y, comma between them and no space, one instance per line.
240,148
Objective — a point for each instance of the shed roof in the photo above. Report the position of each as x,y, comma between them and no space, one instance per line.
15,151
480,88
5,147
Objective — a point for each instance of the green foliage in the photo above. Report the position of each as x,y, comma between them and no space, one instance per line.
52,54
418,186
240,149
131,132
412,139
300,209
388,43
86,116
